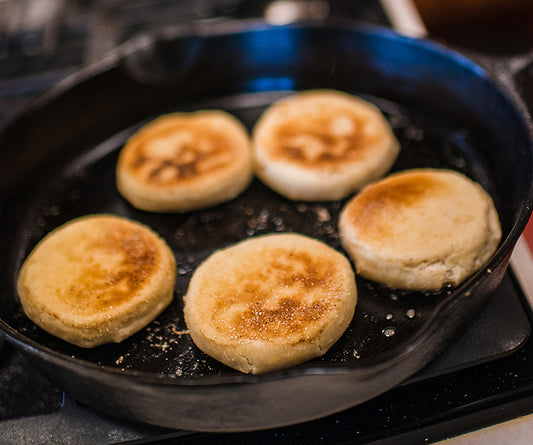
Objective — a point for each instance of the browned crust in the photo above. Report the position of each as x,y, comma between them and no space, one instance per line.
97,279
262,317
376,209
195,148
97,287
308,140
270,302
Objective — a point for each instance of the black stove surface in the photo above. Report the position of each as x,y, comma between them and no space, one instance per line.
484,377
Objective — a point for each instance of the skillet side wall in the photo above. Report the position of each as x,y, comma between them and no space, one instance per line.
71,120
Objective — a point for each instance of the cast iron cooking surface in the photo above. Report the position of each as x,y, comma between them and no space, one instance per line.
57,162
69,188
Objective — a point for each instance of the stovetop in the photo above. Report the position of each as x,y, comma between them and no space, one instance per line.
484,377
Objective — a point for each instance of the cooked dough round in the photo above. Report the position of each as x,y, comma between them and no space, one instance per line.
270,302
97,279
185,161
420,229
322,145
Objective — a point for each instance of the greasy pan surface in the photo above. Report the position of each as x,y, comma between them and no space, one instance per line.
58,160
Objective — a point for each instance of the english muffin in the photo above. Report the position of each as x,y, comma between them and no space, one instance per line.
185,161
322,145
420,229
270,302
97,279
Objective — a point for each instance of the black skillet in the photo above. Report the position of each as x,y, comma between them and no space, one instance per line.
57,162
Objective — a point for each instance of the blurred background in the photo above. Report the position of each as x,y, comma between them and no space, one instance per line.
41,41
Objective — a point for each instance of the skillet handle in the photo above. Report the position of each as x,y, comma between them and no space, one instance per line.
508,71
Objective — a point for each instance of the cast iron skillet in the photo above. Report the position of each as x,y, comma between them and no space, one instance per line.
57,163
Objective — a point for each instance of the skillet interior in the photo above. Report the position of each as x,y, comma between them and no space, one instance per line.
86,185
58,162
